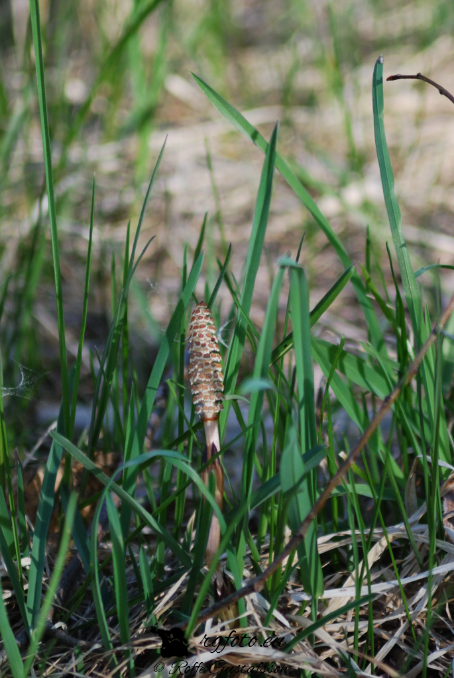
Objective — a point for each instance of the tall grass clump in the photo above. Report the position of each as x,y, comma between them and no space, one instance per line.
337,545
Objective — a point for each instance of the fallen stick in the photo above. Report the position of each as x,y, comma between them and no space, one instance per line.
257,584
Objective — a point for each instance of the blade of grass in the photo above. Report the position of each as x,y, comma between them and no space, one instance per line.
9,641
136,20
147,580
43,516
299,297
261,369
110,353
316,313
409,284
411,290
84,314
223,268
59,564
39,64
119,569
79,532
4,456
136,441
252,263
173,457
98,601
5,550
240,122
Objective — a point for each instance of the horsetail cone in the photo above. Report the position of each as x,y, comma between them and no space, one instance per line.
205,368
207,387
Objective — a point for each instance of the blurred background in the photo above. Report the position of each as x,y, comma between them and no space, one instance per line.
118,77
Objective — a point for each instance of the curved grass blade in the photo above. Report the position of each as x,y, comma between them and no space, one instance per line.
176,459
223,269
136,441
38,632
96,586
125,497
241,124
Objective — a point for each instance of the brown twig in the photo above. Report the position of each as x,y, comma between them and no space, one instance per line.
444,92
257,584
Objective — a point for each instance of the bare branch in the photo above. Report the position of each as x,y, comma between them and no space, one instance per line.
444,92
257,584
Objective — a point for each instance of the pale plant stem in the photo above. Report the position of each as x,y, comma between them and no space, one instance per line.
213,445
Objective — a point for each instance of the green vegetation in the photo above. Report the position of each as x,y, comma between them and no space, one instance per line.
367,589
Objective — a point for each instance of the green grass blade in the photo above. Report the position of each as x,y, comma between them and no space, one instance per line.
19,115
119,568
44,514
261,369
79,532
226,538
110,63
409,284
21,511
198,553
96,587
4,456
316,313
84,314
223,268
199,245
5,284
129,474
252,263
299,296
411,290
124,496
6,536
147,579
358,369
240,122
59,564
10,644
161,359
39,63
110,353
309,630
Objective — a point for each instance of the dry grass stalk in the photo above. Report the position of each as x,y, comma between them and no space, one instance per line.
207,387
256,584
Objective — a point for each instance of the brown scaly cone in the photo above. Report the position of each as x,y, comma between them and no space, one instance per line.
207,387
